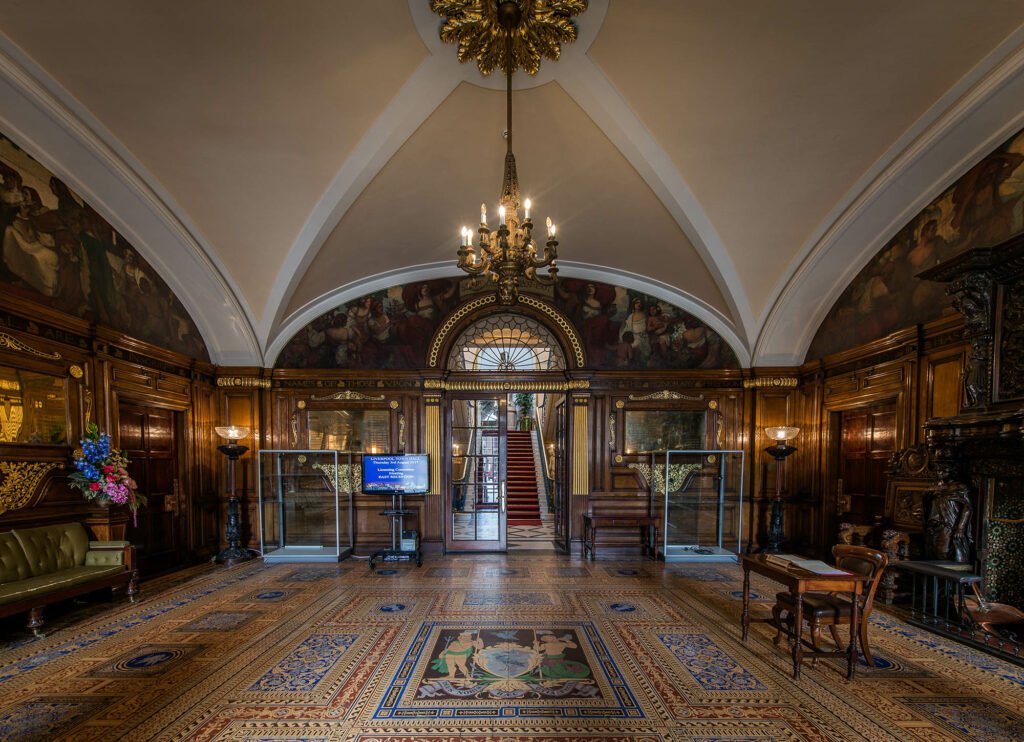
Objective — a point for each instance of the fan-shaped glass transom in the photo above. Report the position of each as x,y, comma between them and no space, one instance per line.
506,342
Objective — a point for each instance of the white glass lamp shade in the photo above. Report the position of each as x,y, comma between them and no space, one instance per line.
782,433
232,432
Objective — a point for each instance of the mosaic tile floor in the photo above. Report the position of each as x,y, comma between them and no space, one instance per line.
525,648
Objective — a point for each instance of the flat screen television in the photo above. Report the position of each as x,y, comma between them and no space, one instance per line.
396,474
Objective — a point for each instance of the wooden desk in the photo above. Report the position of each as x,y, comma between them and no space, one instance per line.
800,581
647,523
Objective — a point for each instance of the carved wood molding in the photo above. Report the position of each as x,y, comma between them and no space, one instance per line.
347,395
12,343
664,394
771,382
243,382
20,480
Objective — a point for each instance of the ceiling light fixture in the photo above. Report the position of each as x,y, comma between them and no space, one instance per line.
509,254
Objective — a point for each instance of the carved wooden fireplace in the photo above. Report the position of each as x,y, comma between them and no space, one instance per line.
984,444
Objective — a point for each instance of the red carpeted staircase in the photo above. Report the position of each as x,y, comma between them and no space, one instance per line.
523,506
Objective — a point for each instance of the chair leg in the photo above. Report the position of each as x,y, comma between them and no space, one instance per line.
815,642
777,617
835,636
864,644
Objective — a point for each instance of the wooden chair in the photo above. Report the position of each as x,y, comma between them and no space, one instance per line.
830,609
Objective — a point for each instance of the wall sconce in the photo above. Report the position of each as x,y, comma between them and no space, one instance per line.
779,450
233,552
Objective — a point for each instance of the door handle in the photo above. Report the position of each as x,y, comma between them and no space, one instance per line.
502,497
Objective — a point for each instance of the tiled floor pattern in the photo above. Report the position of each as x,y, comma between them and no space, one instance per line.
523,648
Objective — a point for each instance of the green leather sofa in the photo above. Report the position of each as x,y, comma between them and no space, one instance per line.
39,566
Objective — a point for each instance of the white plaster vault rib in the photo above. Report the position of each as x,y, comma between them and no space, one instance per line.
62,135
978,113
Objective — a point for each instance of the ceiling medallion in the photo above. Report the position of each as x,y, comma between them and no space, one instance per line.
477,27
509,254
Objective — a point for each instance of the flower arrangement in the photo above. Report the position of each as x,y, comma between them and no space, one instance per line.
102,474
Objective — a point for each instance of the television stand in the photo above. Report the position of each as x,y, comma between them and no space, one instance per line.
398,513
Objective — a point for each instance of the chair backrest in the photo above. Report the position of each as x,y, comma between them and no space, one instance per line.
863,561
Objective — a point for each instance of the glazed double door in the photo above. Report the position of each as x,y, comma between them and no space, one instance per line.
476,507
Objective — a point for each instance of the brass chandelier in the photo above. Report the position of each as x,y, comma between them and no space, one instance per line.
509,254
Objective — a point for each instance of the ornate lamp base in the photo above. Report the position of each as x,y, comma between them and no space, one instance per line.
774,529
233,553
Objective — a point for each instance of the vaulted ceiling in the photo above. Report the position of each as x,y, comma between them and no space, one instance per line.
742,160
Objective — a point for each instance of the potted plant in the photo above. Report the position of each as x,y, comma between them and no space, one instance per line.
524,407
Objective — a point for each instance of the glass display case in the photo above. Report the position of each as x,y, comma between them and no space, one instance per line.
305,504
698,498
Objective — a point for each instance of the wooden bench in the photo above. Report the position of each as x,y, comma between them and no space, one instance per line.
647,524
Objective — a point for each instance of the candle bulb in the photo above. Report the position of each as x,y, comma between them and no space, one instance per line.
526,206
551,227
483,213
501,215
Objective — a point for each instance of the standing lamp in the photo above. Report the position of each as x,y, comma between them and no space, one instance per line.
779,450
233,552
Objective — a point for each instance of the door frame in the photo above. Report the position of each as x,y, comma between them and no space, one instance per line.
500,544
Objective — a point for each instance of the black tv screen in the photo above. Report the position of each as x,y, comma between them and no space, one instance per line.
400,474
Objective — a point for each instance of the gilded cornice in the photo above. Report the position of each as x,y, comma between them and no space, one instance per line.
349,396
12,343
243,382
507,386
771,382
663,394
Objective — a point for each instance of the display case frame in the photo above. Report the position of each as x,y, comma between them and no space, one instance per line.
281,540
670,476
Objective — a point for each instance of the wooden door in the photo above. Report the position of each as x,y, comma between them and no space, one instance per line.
476,505
867,439
148,435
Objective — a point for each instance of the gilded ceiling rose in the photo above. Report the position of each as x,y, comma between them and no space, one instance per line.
475,25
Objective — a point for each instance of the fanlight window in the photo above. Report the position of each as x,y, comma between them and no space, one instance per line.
506,342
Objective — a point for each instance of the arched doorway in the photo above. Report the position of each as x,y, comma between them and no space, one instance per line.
506,376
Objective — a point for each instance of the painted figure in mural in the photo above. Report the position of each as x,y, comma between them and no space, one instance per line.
948,528
636,323
554,664
392,329
984,207
59,251
455,657
981,215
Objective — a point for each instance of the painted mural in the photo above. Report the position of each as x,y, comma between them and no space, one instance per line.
621,329
58,251
984,207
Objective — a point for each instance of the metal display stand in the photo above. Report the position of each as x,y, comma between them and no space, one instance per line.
398,513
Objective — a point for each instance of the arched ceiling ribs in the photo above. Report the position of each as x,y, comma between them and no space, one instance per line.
973,118
62,135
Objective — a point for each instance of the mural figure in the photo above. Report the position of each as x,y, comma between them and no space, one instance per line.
58,251
392,329
984,207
